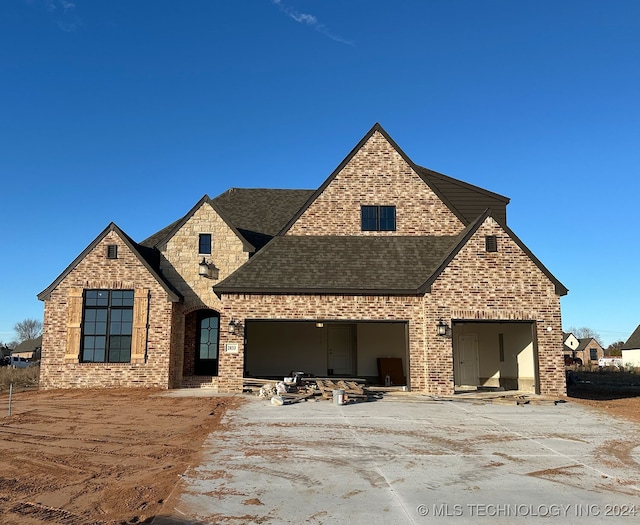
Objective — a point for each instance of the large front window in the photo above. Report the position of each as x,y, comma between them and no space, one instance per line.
107,322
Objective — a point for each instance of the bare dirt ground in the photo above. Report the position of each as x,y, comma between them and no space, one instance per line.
616,393
98,456
109,457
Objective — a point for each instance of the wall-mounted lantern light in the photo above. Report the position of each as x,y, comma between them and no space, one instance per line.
442,327
235,327
208,270
203,268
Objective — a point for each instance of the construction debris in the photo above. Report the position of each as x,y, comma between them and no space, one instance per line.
300,387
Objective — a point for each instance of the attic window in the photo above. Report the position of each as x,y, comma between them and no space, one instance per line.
378,218
491,243
112,251
204,243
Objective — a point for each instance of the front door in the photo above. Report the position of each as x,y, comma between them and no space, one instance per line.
467,360
206,361
340,347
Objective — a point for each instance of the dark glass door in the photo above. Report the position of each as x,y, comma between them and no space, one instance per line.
206,363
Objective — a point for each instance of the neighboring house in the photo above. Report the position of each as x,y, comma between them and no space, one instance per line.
589,351
570,344
631,350
29,349
386,262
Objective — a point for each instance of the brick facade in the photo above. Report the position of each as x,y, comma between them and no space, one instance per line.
506,285
95,271
377,175
498,286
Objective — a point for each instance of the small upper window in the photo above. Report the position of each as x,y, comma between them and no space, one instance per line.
112,251
378,218
204,243
491,243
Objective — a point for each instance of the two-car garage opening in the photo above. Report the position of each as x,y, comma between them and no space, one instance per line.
327,349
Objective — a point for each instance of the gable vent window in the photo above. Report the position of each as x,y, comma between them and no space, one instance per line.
204,243
112,251
378,218
491,243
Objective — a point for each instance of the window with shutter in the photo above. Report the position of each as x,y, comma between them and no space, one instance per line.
74,324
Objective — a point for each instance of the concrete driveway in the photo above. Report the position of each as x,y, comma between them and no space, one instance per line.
415,460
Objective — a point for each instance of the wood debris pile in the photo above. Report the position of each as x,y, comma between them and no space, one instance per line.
309,389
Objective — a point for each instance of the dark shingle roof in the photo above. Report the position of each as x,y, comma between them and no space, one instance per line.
585,342
157,237
469,200
633,342
256,214
385,265
30,345
341,264
147,256
259,214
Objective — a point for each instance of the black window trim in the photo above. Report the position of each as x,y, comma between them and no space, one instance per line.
109,308
204,241
380,220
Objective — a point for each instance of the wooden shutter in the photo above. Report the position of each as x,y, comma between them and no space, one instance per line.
74,324
140,321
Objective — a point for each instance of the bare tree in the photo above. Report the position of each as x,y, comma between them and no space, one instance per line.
28,329
585,333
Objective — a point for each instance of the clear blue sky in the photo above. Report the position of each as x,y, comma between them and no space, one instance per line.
130,111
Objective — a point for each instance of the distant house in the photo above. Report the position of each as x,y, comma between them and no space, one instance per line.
589,351
29,349
631,349
570,344
385,259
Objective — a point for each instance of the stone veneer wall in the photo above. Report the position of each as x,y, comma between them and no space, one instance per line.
180,258
377,175
180,264
126,272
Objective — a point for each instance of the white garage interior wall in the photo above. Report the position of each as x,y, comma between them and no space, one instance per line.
274,349
517,369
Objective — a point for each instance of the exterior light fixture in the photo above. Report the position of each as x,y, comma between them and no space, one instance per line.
319,325
203,268
442,327
235,327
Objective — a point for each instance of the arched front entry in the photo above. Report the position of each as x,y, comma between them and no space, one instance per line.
202,341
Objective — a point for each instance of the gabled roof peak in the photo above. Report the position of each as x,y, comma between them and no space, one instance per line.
139,251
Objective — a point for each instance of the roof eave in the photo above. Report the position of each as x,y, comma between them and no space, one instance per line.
227,290
46,293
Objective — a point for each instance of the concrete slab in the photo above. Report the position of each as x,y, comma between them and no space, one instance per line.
414,460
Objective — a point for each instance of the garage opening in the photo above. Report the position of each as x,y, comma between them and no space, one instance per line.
366,350
494,356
